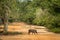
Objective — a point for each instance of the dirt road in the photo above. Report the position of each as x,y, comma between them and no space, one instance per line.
43,33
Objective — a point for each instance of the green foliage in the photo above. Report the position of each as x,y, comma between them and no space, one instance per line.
55,30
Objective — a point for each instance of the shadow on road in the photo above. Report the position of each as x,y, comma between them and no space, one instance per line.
10,33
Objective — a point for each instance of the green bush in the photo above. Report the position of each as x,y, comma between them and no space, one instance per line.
10,20
55,30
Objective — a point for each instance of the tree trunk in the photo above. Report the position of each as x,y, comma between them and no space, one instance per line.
6,22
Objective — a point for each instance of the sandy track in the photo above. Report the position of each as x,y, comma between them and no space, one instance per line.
32,37
22,27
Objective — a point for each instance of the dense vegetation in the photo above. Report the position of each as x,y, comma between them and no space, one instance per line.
38,12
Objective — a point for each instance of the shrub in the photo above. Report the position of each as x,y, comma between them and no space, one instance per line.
55,30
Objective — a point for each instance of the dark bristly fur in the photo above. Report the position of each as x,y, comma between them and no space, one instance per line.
32,31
